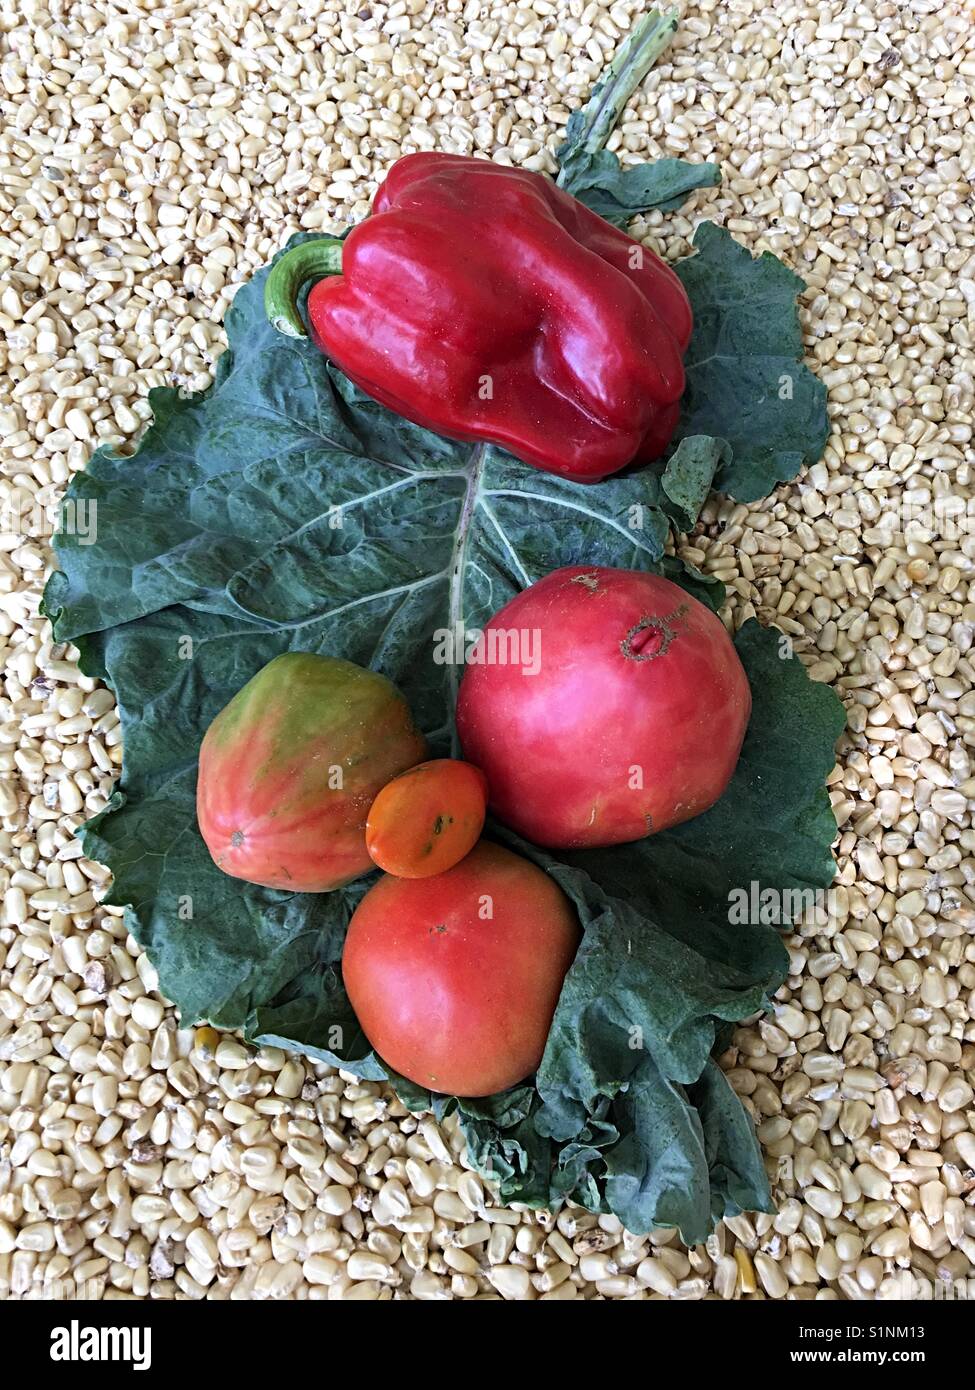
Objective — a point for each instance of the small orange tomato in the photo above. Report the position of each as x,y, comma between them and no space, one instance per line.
427,819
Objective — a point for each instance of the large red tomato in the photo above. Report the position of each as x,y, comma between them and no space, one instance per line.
628,718
455,978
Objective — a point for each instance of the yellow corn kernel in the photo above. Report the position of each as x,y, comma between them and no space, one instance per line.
746,1270
205,1042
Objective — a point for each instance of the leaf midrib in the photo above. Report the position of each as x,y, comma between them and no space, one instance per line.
458,554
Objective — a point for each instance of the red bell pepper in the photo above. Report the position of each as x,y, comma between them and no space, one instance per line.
485,303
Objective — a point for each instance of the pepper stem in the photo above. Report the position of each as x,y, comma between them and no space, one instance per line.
311,260
631,63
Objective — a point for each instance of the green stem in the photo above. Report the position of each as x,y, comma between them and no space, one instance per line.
311,260
630,65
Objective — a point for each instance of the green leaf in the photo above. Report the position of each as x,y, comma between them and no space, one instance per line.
283,510
617,193
746,380
735,1165
704,587
688,476
505,1144
593,175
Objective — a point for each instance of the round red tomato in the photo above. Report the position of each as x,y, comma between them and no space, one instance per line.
629,719
424,821
454,979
